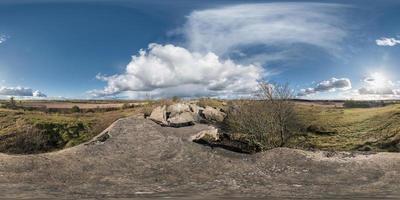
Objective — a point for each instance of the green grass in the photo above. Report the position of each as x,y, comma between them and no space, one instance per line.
36,131
354,128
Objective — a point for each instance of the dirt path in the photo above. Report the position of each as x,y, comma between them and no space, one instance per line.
142,159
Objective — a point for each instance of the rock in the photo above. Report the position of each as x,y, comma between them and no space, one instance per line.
182,119
212,114
211,135
100,139
178,108
185,114
159,115
196,110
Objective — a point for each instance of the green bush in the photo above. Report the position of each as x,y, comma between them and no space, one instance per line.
176,99
75,109
127,106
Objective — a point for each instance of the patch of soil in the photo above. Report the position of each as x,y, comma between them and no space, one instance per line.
320,130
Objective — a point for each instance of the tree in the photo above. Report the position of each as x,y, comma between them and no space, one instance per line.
264,122
278,98
13,104
127,106
176,99
75,109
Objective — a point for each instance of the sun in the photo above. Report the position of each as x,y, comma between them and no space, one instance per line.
377,80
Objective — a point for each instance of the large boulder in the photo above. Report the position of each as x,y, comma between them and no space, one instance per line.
178,108
212,114
181,119
159,115
185,114
196,110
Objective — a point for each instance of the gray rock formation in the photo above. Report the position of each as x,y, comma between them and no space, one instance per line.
185,114
177,108
213,114
159,115
206,135
181,119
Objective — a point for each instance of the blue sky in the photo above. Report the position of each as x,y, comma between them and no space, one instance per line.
136,49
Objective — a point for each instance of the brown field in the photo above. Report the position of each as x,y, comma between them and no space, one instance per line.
82,104
320,103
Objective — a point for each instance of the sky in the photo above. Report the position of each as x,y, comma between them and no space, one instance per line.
137,49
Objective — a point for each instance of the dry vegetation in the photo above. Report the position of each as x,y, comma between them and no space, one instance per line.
266,122
273,121
270,121
366,129
33,130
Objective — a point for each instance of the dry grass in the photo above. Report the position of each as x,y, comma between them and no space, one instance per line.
215,103
324,127
354,129
35,131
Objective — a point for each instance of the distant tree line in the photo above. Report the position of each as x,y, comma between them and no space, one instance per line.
364,104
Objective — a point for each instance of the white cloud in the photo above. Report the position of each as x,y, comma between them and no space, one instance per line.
330,85
168,70
3,38
377,84
387,42
20,91
280,25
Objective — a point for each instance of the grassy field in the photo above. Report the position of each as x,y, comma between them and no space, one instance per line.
331,128
83,104
23,131
323,126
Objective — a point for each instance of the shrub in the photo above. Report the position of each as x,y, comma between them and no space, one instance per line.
266,122
127,106
244,119
11,104
176,99
75,109
147,111
30,140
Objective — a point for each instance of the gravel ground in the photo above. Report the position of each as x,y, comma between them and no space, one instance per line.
136,158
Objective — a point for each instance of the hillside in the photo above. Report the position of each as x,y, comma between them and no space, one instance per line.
26,132
139,158
331,128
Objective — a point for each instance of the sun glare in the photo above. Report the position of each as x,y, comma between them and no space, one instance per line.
378,80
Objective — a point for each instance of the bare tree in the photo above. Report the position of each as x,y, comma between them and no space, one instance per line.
12,103
280,106
268,120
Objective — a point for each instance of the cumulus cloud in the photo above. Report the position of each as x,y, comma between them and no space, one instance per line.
377,84
382,91
225,30
330,85
387,42
20,91
168,70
